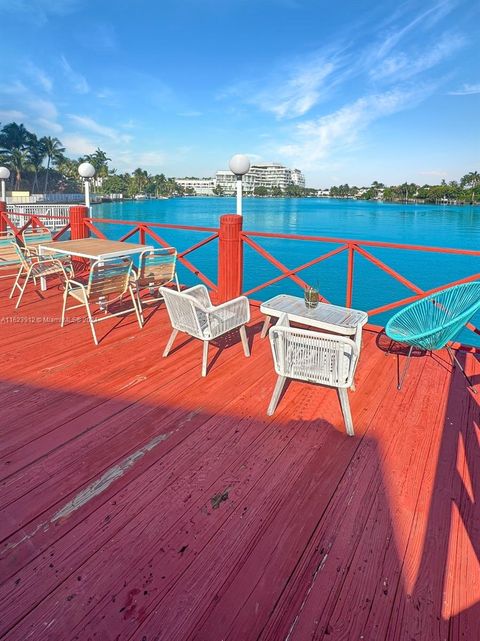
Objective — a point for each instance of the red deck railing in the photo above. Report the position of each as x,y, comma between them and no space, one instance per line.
231,241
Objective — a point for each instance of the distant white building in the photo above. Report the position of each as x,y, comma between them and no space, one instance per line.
261,175
228,182
201,186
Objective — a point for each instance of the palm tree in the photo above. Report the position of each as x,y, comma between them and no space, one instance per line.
36,156
14,136
472,180
54,152
18,159
99,160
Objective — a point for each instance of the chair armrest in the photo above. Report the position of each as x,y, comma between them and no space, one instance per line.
227,316
39,260
71,281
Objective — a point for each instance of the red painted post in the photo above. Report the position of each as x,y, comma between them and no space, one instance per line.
230,257
78,229
3,222
351,250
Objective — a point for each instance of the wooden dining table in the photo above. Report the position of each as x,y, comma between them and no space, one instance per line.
92,249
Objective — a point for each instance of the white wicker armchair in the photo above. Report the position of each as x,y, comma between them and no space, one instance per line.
315,357
192,312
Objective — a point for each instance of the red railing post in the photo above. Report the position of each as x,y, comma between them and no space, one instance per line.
349,294
3,222
78,229
230,257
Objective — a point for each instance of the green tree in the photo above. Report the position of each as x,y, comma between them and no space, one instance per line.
13,137
472,180
35,156
54,153
18,160
99,160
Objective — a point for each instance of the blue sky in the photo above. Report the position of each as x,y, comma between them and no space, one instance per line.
347,92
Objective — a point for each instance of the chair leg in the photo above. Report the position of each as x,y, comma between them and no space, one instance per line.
455,362
22,288
205,358
64,308
405,369
15,284
243,336
92,324
177,283
281,380
137,311
168,346
266,324
347,416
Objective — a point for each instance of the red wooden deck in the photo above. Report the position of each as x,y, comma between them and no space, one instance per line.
140,501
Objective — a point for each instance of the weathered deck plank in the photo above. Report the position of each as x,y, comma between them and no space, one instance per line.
115,469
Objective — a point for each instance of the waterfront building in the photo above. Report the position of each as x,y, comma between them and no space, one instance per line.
201,186
262,175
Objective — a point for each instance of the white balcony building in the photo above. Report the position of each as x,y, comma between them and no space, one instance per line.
201,186
261,175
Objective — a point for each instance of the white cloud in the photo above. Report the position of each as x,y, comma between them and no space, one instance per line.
39,11
49,125
78,145
11,114
316,139
39,76
466,90
78,82
425,21
402,65
293,90
106,132
149,160
42,108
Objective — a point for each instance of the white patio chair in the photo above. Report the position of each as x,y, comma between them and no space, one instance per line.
315,357
108,282
192,312
33,267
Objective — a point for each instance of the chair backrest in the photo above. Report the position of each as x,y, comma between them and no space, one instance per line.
186,313
157,266
433,321
109,278
22,253
313,356
8,250
34,237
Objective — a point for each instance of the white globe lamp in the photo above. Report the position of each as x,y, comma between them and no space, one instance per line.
4,175
239,165
86,171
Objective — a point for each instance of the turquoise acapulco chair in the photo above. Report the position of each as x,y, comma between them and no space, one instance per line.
432,322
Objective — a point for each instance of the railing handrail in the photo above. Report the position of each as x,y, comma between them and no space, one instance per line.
366,243
147,223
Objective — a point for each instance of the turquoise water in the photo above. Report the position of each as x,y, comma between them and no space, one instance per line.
440,226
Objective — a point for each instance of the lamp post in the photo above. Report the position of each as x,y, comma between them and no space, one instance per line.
239,165
86,171
4,175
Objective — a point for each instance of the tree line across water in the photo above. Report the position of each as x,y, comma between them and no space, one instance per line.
40,165
466,190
